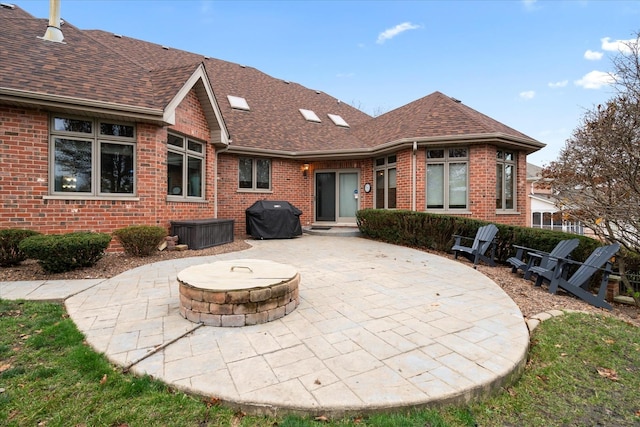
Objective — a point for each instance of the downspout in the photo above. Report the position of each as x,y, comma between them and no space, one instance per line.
54,33
215,179
414,173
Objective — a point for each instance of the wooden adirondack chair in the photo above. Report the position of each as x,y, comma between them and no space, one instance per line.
483,242
578,283
540,259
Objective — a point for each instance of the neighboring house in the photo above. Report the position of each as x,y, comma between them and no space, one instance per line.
542,209
104,131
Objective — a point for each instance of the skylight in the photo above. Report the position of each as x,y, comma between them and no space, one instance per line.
310,115
338,121
238,102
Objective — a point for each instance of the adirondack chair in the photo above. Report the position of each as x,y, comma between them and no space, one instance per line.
578,283
483,242
539,258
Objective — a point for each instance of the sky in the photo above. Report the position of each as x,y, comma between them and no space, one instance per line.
537,66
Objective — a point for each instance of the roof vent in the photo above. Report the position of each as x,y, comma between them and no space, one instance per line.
54,33
318,92
456,100
286,81
243,66
338,121
8,5
238,102
165,47
118,36
309,115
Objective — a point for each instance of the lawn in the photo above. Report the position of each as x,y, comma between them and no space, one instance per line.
583,370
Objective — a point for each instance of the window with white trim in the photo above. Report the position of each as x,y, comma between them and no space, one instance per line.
91,157
505,180
447,178
254,174
185,167
386,182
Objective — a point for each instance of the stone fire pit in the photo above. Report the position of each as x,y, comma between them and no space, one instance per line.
238,293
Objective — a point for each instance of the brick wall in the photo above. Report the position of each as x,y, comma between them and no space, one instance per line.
24,153
24,178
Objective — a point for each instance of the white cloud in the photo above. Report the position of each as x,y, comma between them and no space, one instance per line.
345,75
529,94
593,56
554,85
529,4
392,32
616,45
595,80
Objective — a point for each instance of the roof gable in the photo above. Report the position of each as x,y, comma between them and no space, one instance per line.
436,116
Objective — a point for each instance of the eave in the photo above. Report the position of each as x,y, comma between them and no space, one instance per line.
501,140
80,106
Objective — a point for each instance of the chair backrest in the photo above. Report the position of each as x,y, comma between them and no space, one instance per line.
562,250
599,257
484,237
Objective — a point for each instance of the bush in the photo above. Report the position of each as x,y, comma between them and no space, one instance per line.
140,240
434,231
57,253
10,238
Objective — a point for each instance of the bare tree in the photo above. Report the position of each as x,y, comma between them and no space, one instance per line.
597,175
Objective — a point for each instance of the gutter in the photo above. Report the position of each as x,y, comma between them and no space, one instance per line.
81,106
360,153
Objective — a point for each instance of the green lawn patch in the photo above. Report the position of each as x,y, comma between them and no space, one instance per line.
583,370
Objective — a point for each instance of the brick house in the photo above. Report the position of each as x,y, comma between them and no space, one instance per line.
102,131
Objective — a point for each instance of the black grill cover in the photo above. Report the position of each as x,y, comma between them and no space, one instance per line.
269,219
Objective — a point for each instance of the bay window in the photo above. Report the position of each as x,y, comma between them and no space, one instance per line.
385,171
505,180
447,176
185,167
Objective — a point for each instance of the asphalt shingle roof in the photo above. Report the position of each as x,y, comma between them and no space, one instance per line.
95,65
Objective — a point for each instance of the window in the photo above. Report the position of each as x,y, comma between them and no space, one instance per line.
505,180
92,158
254,174
185,167
385,171
447,176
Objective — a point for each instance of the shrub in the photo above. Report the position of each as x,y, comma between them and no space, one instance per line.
434,231
10,238
140,240
57,253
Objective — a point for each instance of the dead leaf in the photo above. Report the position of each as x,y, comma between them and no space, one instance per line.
103,381
563,354
638,413
212,401
558,346
608,373
317,382
322,418
609,341
5,367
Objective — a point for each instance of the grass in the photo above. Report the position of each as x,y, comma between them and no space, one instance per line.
583,370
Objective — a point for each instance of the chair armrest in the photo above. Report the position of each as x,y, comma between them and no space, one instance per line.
562,262
457,236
